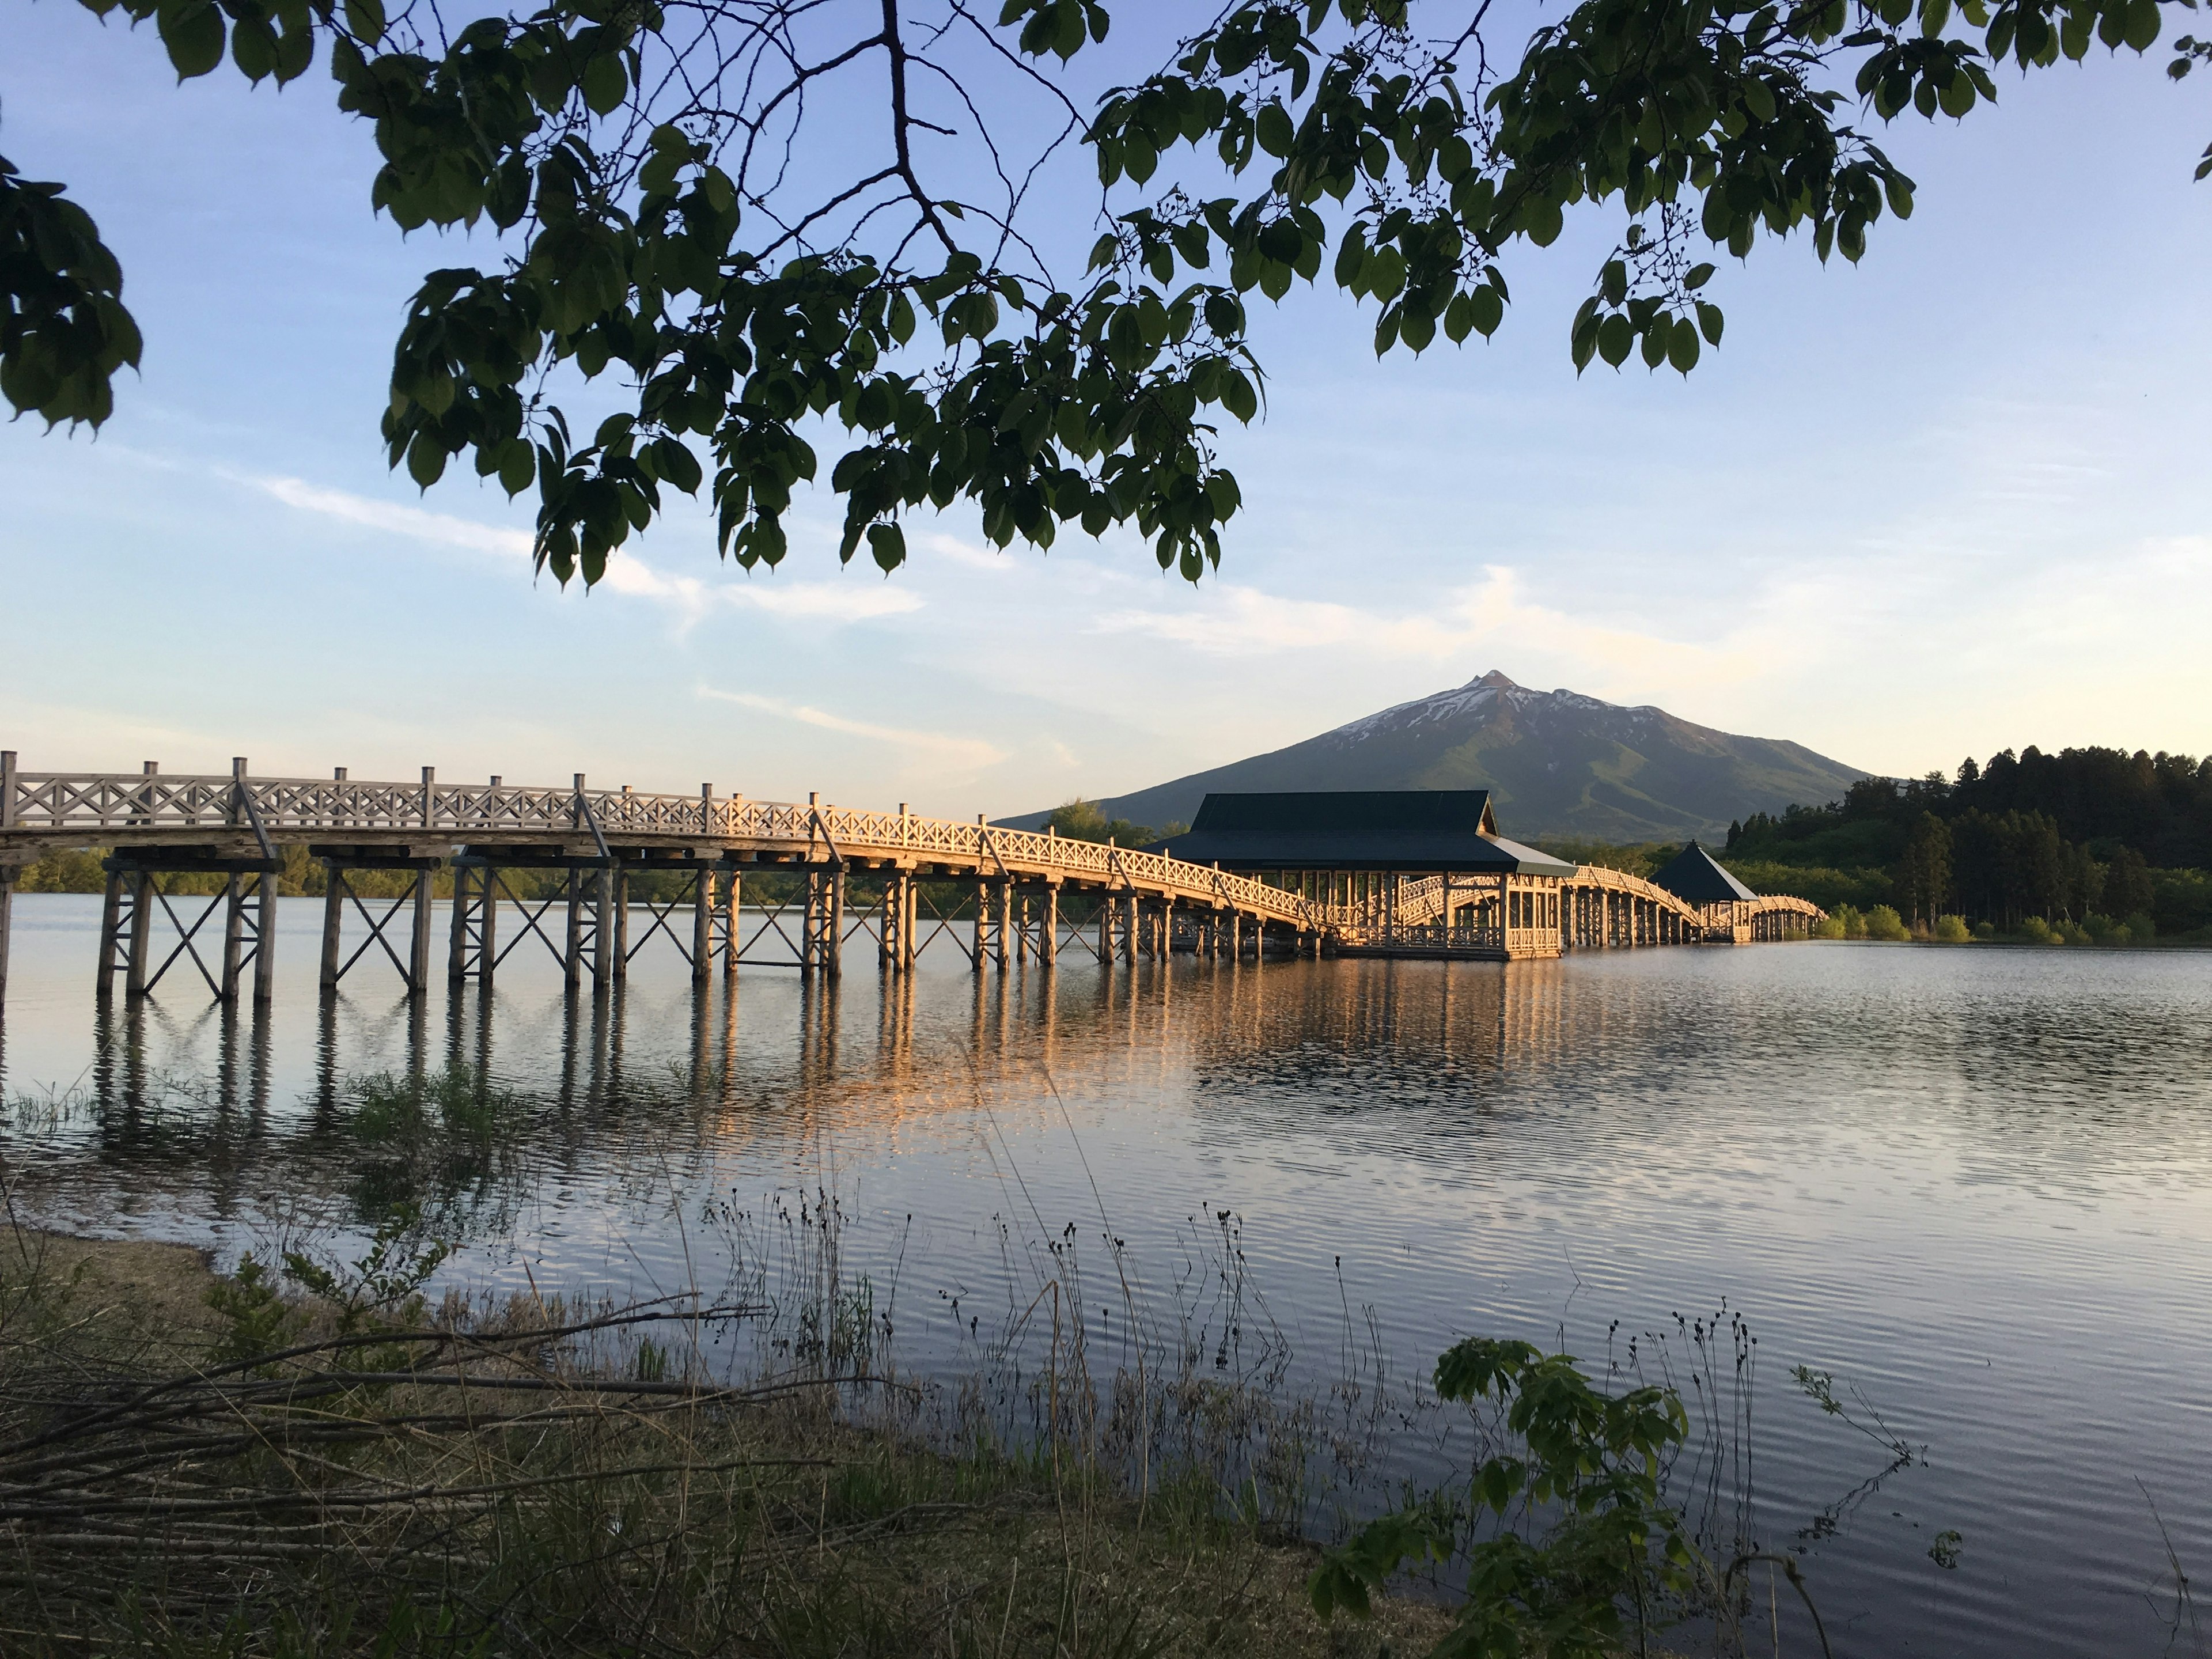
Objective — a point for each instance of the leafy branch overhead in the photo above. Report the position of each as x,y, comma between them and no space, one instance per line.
738,224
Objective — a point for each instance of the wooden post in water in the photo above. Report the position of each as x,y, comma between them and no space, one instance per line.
333,917
704,882
111,947
618,901
418,951
603,933
1049,925
141,933
233,935
264,941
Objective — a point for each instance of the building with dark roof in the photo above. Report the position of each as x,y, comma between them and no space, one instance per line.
1693,877
1369,831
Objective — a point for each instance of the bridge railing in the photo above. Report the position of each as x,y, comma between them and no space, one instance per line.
106,803
97,804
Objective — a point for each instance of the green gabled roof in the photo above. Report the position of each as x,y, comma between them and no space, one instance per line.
1693,877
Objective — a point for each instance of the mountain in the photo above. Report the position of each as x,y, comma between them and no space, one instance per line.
1558,764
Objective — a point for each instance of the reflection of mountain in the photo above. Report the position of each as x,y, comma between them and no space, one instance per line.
1558,763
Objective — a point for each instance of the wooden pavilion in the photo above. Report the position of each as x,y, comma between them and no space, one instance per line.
1424,871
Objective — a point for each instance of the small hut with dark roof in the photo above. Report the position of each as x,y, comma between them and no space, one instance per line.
1693,877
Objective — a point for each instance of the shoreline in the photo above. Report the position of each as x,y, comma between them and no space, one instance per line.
907,1543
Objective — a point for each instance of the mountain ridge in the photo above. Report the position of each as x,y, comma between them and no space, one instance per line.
1558,764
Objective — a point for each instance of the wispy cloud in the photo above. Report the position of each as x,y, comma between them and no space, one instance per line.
1476,622
628,574
947,753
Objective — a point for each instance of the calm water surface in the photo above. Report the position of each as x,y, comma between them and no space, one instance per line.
1972,1184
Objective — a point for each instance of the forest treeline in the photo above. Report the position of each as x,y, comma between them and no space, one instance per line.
2090,838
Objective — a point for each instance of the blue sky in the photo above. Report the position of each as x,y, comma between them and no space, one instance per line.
1948,501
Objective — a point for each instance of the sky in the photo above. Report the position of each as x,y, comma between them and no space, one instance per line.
1952,501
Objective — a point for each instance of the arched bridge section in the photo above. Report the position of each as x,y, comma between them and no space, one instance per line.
1603,907
894,880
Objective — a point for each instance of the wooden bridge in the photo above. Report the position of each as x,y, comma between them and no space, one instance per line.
843,875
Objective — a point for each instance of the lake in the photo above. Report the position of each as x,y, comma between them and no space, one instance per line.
1971,1184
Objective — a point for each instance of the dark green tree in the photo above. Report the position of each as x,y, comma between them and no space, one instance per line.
1923,872
656,173
2127,885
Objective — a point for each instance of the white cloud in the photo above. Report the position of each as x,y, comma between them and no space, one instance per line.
628,574
946,754
1485,622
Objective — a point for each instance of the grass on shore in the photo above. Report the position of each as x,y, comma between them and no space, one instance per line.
201,1468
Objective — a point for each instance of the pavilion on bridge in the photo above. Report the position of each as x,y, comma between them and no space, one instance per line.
1693,877
1420,871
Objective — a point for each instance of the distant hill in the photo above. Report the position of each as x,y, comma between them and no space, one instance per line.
1558,763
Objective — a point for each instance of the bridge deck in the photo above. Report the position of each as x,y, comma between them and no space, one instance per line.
241,825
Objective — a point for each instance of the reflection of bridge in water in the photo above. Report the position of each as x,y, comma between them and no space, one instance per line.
916,1047
834,878
227,1110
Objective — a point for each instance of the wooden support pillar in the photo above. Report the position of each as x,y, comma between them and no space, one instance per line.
234,936
618,908
704,881
141,933
832,962
112,913
572,956
731,913
1049,927
333,918
264,942
457,934
418,954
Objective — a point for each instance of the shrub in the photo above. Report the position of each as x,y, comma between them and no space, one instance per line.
2036,931
1852,922
1951,930
1587,1461
1986,930
1883,922
1829,926
2141,928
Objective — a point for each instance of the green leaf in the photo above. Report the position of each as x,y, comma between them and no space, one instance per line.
2141,30
1616,338
193,30
517,467
1682,345
365,20
1709,322
1237,396
606,81
887,544
426,459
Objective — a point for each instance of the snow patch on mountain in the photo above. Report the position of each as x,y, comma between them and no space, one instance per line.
1477,693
